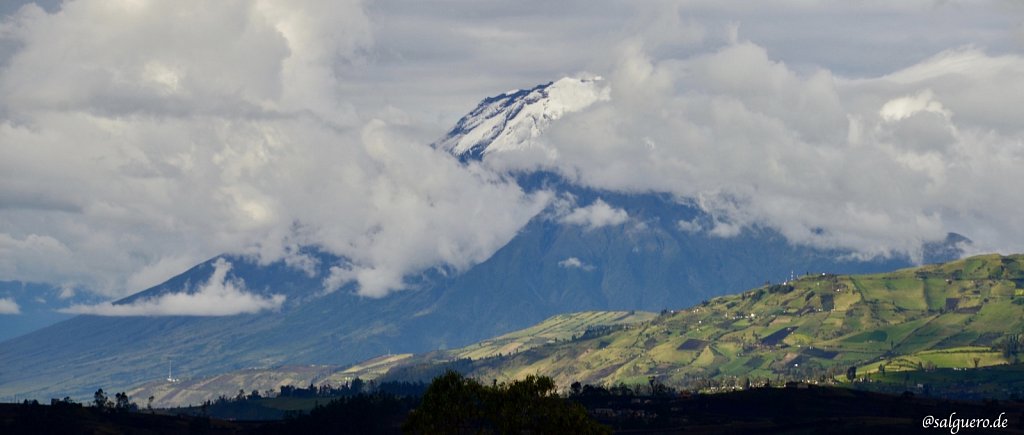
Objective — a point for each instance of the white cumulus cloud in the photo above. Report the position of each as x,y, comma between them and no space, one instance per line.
140,138
9,306
690,226
575,263
878,165
596,215
220,296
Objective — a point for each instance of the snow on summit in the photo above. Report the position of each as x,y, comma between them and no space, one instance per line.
515,119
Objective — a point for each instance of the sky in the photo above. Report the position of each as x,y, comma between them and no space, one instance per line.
138,138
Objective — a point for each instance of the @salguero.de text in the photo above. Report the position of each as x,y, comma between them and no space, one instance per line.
954,423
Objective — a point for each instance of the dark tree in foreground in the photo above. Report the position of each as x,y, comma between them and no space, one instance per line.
123,403
100,400
358,414
455,404
452,404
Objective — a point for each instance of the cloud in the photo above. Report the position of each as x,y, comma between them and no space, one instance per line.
67,291
140,138
166,135
690,226
725,229
220,296
9,306
596,215
575,263
901,108
877,165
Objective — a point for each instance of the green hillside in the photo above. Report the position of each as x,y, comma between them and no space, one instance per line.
561,327
933,321
553,330
954,315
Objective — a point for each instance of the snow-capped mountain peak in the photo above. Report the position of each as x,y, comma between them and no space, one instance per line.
515,119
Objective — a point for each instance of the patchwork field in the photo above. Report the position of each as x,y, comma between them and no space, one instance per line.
943,318
954,316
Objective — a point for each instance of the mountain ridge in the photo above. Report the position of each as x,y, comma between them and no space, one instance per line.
516,119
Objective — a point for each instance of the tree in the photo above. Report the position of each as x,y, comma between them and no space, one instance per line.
592,391
621,390
123,403
149,404
1010,346
575,388
456,404
452,404
100,400
356,386
851,373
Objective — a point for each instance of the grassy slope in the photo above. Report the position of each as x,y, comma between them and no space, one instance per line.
946,315
821,322
557,328
196,391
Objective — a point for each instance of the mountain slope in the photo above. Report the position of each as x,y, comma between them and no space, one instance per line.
197,390
37,305
516,119
818,325
943,316
642,259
